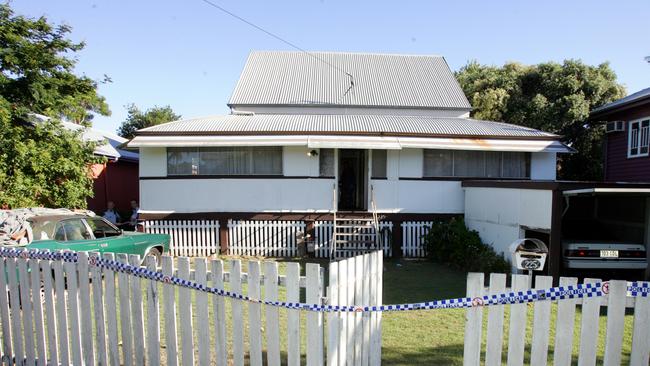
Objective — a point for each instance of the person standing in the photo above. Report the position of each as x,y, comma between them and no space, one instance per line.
111,215
135,213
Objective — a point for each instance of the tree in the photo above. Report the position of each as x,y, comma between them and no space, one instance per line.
137,119
42,164
551,97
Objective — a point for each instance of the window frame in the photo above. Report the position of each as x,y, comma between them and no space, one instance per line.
251,158
639,138
453,176
373,174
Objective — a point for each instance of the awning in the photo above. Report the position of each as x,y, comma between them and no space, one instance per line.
352,142
613,191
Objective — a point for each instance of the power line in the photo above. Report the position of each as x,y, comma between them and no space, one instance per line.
224,10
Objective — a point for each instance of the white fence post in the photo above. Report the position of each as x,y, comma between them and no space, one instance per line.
314,319
641,334
474,315
566,310
494,348
615,322
589,328
272,314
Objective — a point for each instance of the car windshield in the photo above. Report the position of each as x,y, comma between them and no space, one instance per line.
101,228
43,229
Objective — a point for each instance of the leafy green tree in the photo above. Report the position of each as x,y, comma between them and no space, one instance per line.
42,164
138,119
551,97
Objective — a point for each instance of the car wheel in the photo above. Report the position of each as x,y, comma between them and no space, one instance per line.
156,253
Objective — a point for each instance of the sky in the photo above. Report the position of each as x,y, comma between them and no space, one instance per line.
188,55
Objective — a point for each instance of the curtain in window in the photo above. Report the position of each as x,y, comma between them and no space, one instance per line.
225,161
514,165
478,164
326,162
267,160
469,163
379,163
438,163
182,161
492,164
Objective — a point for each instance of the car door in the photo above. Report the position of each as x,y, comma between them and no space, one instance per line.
109,238
73,234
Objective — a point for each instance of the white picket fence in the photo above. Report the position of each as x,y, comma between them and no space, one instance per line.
264,238
412,238
89,315
588,335
193,238
355,338
323,239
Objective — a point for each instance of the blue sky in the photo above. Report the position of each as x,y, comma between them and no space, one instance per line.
189,55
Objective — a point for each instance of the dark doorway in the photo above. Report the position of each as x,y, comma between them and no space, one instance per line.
352,180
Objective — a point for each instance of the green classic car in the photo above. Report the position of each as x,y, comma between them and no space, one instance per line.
92,234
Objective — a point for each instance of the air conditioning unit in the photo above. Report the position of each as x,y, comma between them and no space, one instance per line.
615,126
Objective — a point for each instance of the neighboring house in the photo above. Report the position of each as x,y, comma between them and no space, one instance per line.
627,140
117,179
310,134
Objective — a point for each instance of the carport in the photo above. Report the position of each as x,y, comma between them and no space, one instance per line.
554,211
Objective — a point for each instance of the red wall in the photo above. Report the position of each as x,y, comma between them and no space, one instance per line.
118,182
617,165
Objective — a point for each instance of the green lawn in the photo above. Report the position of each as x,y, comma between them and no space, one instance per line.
435,337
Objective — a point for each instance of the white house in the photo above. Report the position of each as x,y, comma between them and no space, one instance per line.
314,133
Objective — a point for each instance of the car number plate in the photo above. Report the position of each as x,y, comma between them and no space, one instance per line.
609,253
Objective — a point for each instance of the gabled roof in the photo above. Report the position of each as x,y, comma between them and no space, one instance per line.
108,144
368,125
285,78
634,97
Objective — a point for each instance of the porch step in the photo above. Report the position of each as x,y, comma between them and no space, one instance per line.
351,226
355,233
356,242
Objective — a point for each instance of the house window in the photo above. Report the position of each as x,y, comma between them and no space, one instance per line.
326,162
638,138
224,161
475,164
379,164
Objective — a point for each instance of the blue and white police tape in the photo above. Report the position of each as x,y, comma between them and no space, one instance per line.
515,297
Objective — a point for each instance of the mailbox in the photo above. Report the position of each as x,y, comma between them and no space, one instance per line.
529,254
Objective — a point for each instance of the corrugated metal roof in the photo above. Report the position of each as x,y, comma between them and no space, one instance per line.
344,124
380,80
645,93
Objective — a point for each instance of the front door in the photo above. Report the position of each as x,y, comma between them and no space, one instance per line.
353,179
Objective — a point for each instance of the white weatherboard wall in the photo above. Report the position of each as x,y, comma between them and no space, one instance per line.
153,162
543,166
499,213
236,195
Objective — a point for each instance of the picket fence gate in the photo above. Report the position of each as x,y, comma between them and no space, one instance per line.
264,238
588,336
323,239
191,238
413,233
355,338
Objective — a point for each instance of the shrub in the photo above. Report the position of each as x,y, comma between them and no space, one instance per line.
453,244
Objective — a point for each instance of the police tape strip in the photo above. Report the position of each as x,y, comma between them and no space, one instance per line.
515,297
